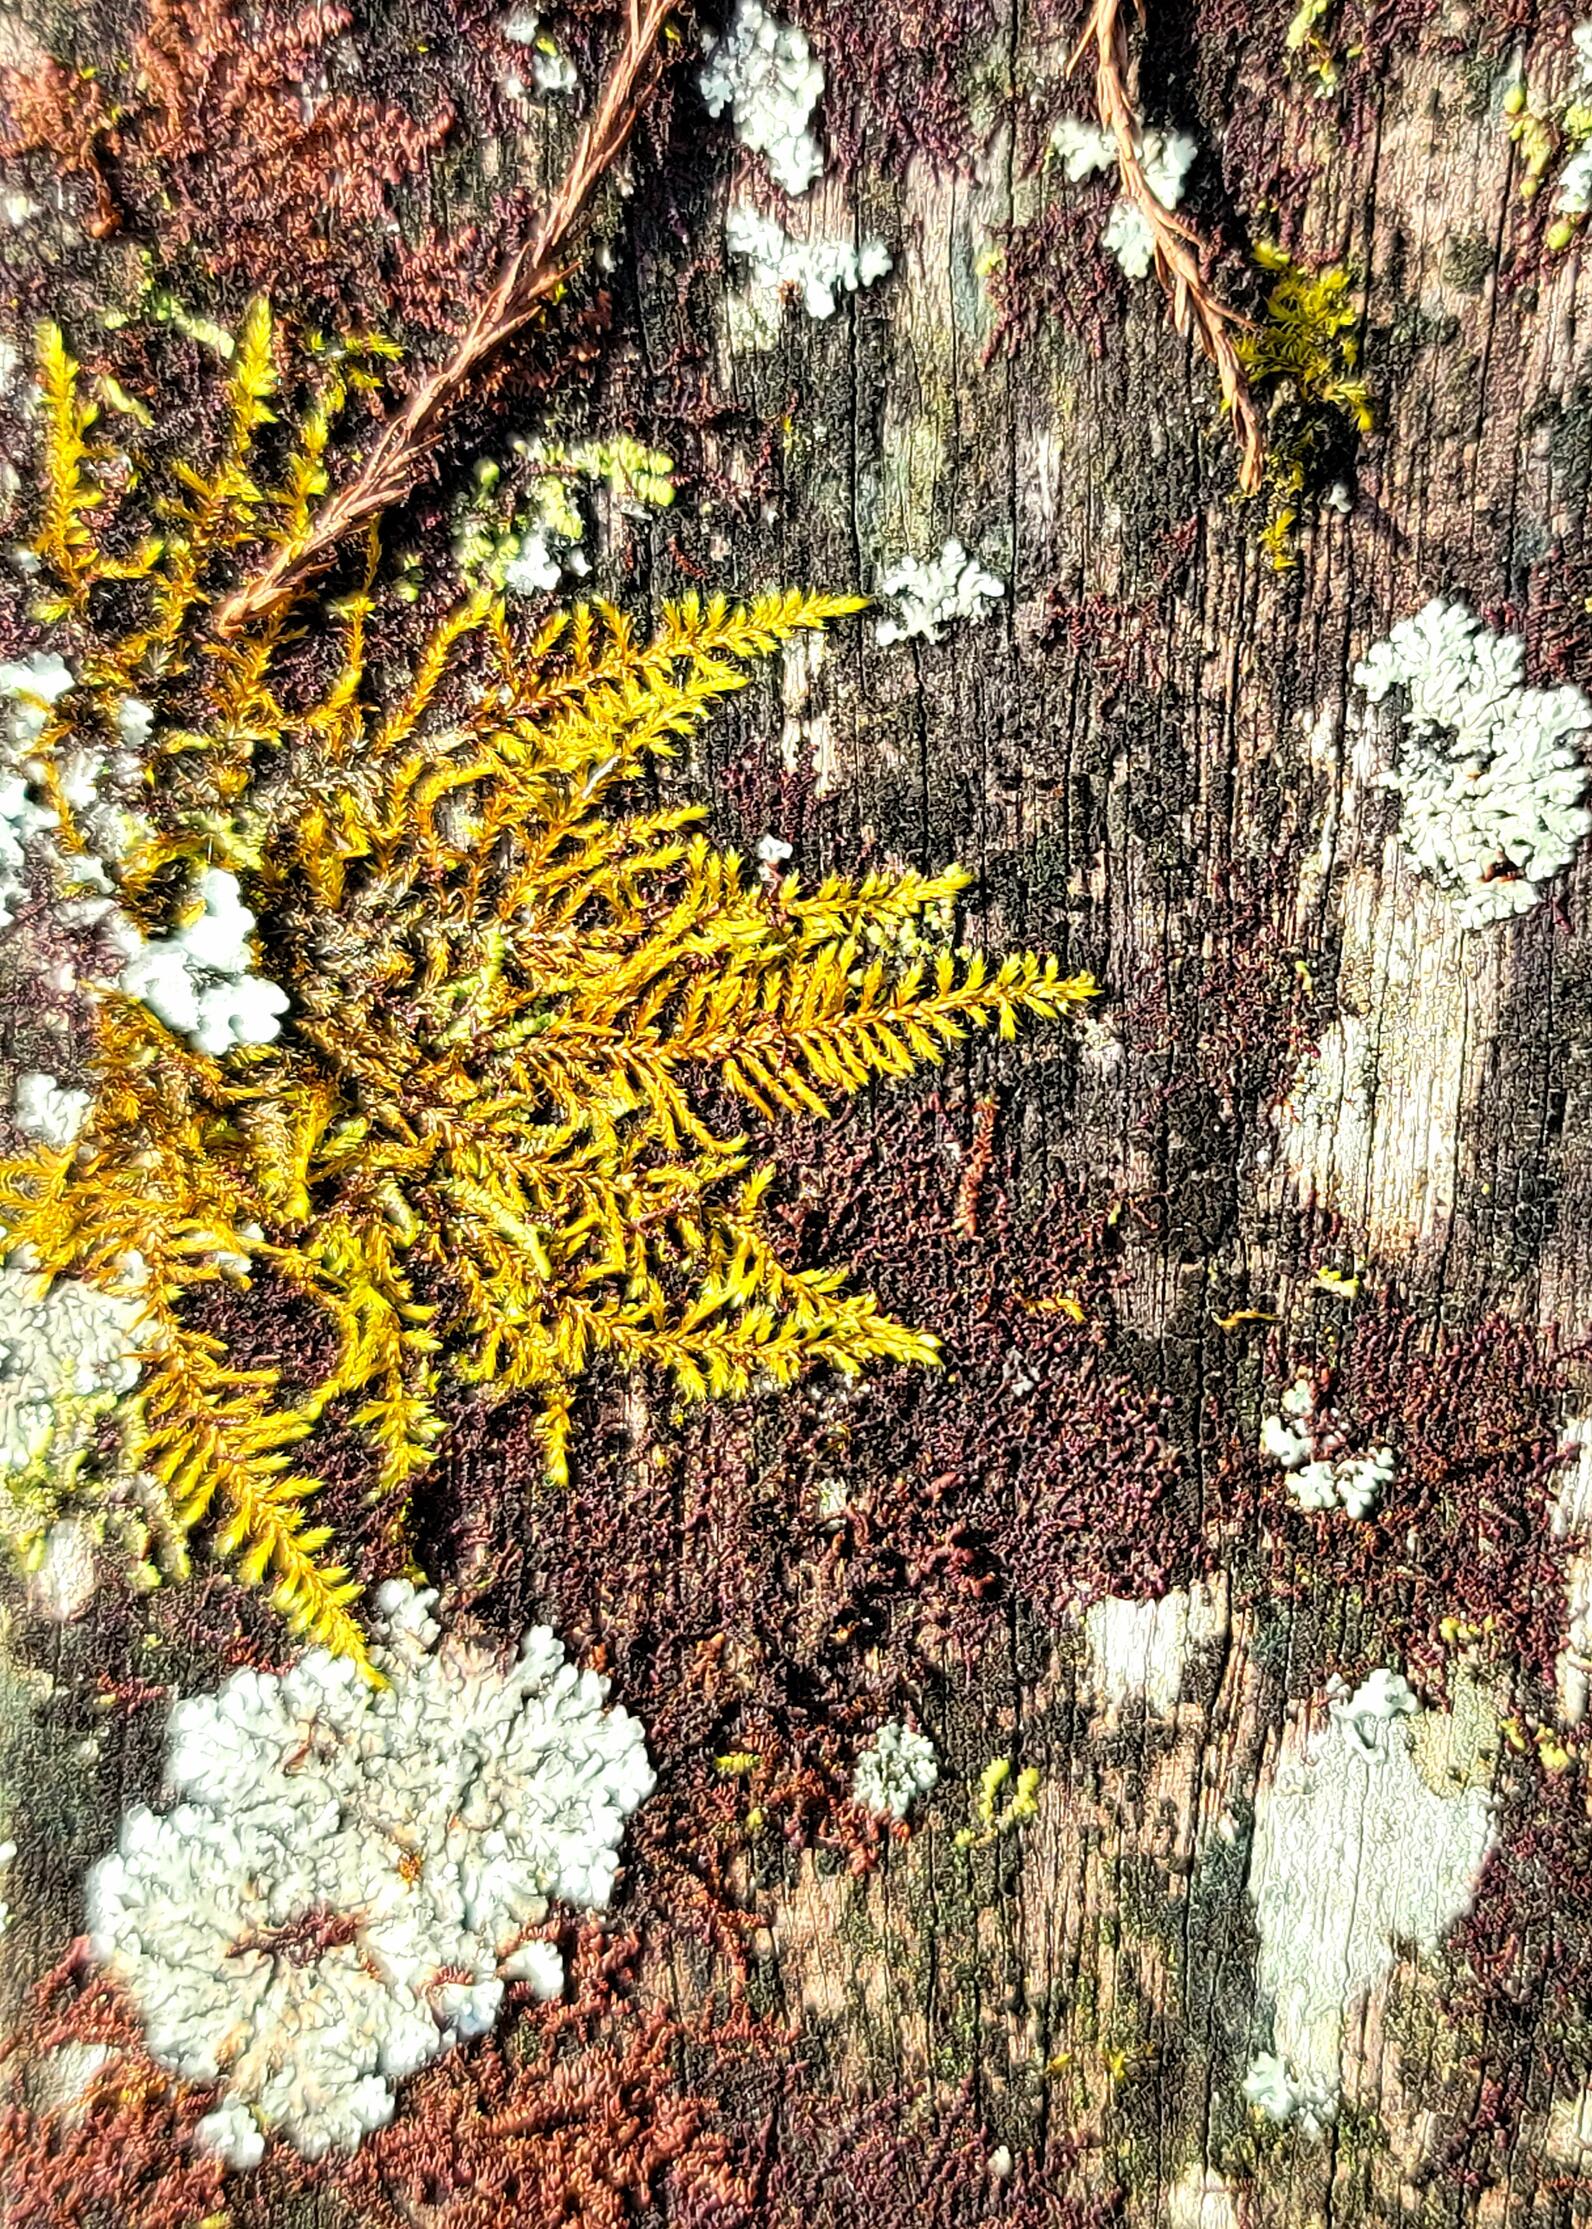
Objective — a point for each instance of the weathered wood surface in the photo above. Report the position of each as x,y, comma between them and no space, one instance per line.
1179,789
1145,758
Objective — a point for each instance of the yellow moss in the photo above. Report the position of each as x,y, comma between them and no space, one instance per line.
64,541
992,1818
1535,136
1303,358
480,1145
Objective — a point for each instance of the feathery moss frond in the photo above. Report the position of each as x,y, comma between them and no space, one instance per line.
481,1145
210,1434
70,495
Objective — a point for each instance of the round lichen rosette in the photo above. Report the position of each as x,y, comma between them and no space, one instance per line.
1490,771
351,1875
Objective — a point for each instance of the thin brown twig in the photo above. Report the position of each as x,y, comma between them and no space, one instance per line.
529,276
1195,309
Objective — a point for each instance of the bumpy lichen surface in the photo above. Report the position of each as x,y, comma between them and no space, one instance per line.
349,1878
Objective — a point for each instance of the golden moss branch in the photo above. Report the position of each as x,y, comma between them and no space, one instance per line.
481,1145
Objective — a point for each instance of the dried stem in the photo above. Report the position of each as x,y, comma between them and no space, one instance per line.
531,274
1195,309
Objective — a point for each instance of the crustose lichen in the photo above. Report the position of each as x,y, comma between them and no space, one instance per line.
351,1877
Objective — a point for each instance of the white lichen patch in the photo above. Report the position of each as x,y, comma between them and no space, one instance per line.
814,271
551,69
544,543
350,1875
68,1351
1490,777
45,1109
773,857
1368,1839
1083,147
1311,1446
32,685
199,980
1364,1715
1574,197
1138,1650
1275,2089
1166,158
931,594
533,570
61,1583
897,1767
764,72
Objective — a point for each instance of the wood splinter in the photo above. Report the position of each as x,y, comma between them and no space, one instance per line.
1196,311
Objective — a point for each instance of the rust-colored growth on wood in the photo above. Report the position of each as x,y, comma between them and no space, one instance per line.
228,130
118,2148
1195,309
577,2115
980,1153
1054,272
63,113
532,274
216,147
1460,1555
899,79
921,2154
